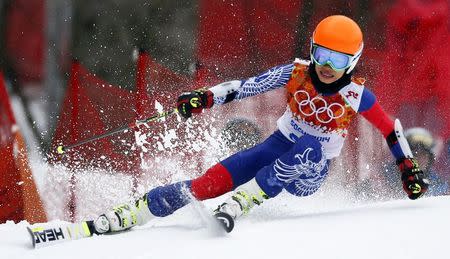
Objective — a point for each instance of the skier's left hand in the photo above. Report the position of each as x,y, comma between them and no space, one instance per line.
414,182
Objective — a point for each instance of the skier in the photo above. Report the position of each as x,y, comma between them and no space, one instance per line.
323,97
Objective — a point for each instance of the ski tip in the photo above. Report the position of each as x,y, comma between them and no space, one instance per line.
225,220
33,239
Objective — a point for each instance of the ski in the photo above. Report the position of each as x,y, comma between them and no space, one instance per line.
46,234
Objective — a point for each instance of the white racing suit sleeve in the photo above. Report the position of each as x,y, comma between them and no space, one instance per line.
274,78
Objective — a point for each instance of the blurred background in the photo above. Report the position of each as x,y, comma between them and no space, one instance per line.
78,68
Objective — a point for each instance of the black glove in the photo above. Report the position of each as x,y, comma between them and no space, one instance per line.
414,182
194,102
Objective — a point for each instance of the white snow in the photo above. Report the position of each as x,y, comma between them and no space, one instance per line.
285,227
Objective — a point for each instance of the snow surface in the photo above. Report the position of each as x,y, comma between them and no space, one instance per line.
290,227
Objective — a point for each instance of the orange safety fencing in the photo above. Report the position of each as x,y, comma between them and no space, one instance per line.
19,198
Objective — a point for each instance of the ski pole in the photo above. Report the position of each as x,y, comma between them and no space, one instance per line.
62,149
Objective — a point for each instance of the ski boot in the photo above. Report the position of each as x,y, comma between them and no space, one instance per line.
124,217
240,203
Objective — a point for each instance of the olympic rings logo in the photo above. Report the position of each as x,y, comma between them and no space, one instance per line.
304,101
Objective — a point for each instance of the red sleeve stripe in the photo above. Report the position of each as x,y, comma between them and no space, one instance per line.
379,118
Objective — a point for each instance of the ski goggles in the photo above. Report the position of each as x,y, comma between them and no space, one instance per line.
336,60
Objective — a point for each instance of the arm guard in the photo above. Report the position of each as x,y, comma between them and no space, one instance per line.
397,142
225,92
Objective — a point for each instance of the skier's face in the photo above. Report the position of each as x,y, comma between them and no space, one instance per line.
327,75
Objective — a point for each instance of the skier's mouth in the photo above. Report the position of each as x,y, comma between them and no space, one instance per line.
326,74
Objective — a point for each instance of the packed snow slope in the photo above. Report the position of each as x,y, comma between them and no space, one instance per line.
288,227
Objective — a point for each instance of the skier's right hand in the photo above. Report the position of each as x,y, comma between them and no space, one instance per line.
414,182
194,102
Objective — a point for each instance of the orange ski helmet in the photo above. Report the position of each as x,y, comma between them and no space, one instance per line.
341,34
